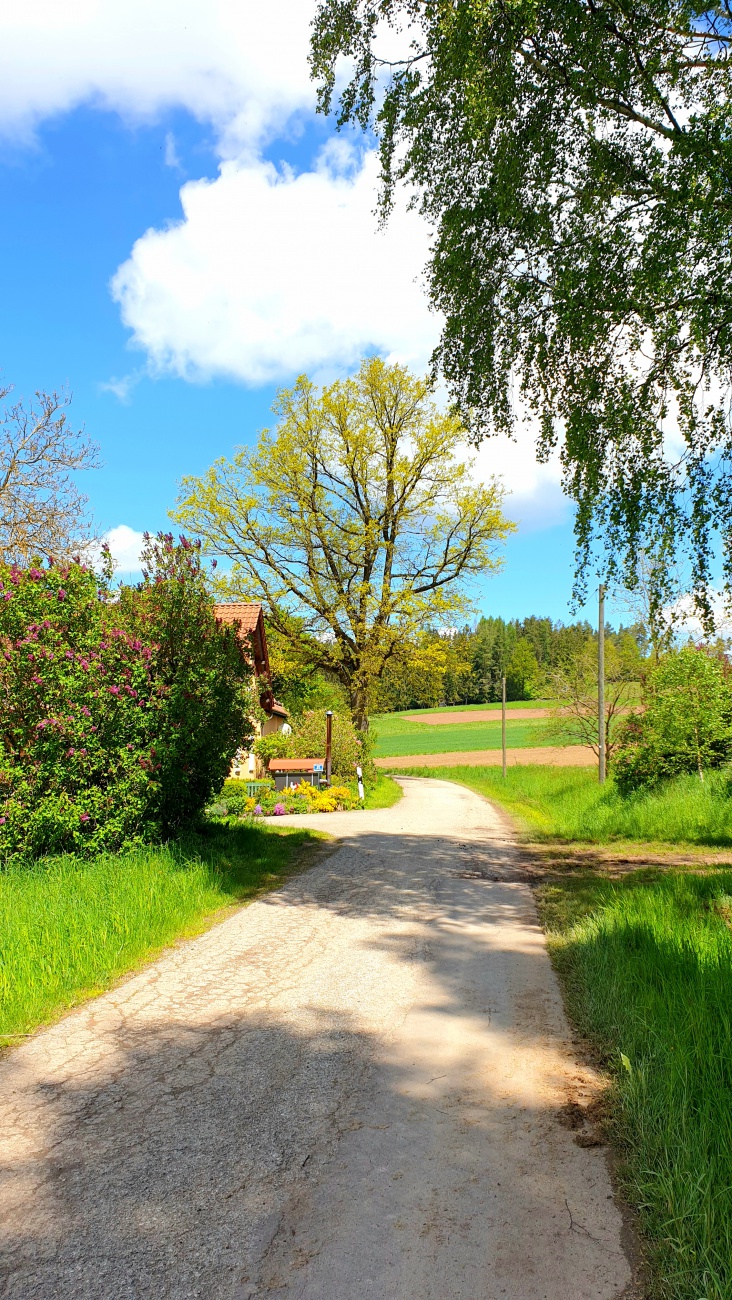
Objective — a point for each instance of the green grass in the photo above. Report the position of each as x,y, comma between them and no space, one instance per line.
646,966
69,927
566,803
398,735
382,793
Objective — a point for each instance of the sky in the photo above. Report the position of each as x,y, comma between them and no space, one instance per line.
181,233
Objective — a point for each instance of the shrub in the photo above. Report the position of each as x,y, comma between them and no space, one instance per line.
686,726
205,683
108,734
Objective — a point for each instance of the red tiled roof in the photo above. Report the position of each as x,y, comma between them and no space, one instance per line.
244,614
294,764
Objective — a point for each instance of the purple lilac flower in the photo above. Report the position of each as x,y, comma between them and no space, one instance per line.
279,810
61,594
258,810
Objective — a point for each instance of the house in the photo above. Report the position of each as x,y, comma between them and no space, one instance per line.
250,621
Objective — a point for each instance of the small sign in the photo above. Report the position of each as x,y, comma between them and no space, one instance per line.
317,767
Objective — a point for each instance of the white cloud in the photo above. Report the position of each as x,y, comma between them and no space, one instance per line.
126,545
536,499
268,273
271,273
238,64
122,387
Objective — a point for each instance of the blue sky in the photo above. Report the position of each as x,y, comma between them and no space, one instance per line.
180,234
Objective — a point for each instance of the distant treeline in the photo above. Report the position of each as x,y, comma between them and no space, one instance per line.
466,666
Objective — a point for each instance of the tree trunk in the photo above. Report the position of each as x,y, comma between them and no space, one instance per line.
359,708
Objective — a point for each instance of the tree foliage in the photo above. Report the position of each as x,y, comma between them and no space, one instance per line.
42,510
355,521
574,683
466,667
575,161
686,725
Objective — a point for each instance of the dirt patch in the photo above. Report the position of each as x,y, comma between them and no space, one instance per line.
620,859
551,755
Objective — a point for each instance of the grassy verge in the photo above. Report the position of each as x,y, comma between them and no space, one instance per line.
69,928
382,793
567,804
646,965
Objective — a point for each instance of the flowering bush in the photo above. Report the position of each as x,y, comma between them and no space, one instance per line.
303,798
99,722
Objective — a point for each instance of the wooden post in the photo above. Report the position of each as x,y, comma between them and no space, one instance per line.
601,683
328,742
503,725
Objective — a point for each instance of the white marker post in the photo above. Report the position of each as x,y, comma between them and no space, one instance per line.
359,774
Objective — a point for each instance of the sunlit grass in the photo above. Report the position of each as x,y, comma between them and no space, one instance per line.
405,736
567,803
70,927
646,964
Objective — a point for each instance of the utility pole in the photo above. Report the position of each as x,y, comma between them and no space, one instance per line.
328,742
503,724
601,682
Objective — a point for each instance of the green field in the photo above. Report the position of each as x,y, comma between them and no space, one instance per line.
399,734
567,804
70,927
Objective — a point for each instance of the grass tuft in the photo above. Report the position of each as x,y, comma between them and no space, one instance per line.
70,927
646,965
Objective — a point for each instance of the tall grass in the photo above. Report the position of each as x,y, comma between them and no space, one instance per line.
566,803
69,927
647,970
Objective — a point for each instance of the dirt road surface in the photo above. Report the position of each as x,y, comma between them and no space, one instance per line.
549,755
350,1090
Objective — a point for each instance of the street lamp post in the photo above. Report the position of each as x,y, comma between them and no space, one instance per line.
328,742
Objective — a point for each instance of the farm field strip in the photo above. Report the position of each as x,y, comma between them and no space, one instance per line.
413,737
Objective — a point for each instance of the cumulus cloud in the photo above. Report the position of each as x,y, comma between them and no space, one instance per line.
237,64
126,545
271,273
535,497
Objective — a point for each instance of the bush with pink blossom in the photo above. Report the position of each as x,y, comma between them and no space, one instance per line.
100,723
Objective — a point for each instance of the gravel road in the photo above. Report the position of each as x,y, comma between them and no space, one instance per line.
354,1089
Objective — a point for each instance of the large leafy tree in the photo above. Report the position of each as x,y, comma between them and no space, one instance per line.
575,161
355,521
